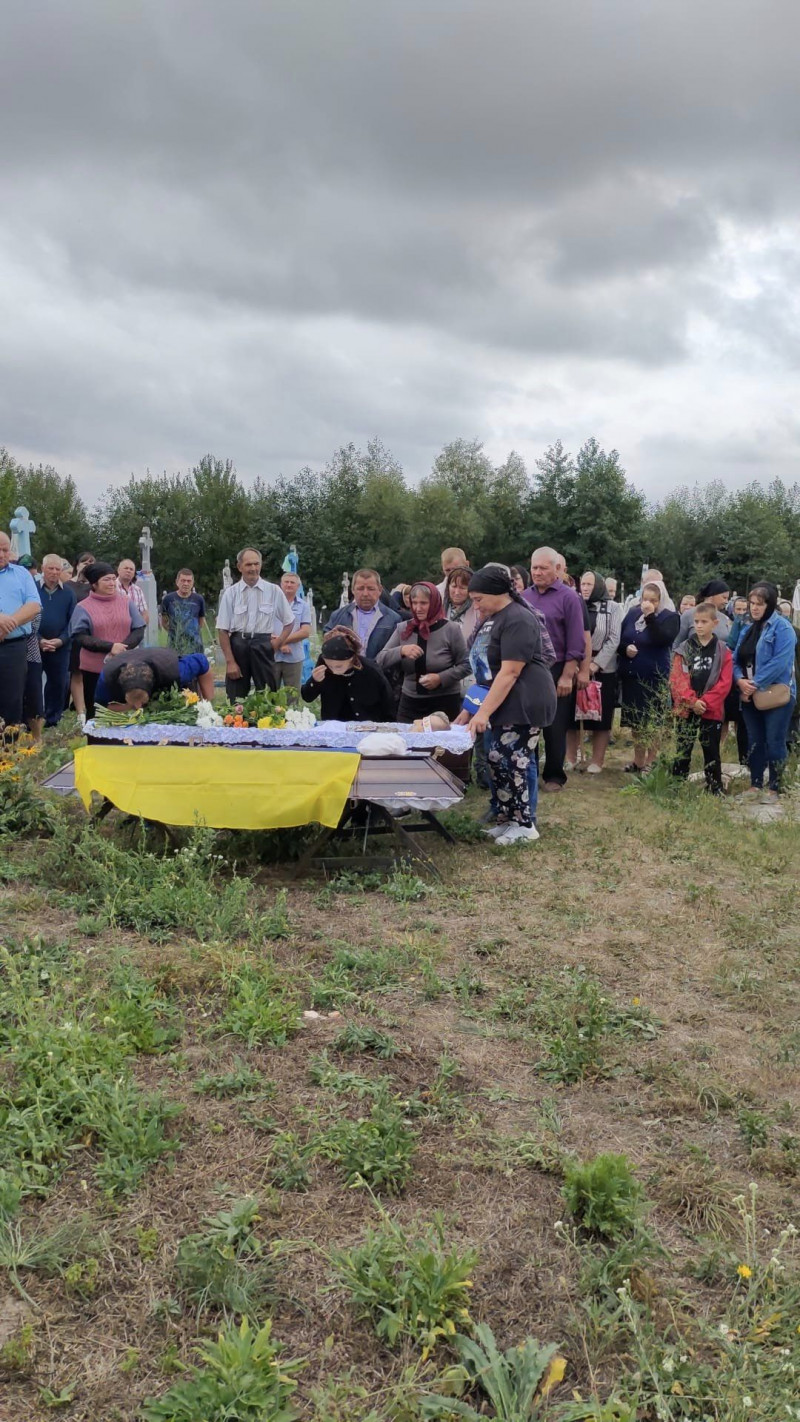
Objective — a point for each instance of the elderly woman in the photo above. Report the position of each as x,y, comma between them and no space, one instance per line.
350,686
648,632
433,655
521,698
763,662
605,626
521,577
458,606
102,625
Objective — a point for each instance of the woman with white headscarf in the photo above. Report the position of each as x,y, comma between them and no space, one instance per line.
648,632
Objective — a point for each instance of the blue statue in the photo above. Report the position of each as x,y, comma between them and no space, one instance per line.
291,562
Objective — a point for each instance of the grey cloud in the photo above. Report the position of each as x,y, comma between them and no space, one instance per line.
272,228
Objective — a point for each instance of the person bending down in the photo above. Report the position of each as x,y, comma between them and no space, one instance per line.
131,678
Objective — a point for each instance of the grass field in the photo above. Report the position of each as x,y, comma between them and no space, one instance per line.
554,1097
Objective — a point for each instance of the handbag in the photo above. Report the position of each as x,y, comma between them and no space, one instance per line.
779,694
589,703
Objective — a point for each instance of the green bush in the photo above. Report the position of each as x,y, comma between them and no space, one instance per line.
374,1151
259,1006
603,1195
353,1039
224,1266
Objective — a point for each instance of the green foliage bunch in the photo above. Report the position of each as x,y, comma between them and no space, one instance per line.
375,1150
225,1265
68,1080
243,1379
603,1195
411,1286
153,894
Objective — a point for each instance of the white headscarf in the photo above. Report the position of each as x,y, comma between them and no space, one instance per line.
665,603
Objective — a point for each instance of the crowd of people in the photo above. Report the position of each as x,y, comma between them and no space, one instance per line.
535,664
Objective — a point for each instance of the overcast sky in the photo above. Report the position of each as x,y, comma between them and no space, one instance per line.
267,227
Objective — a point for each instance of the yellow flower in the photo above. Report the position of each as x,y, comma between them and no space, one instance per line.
636,1001
191,698
265,723
744,1271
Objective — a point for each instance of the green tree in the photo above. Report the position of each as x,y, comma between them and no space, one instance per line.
607,516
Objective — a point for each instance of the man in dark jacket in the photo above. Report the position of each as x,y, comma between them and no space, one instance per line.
372,622
58,605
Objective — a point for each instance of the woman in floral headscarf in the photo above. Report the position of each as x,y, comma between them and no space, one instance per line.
432,653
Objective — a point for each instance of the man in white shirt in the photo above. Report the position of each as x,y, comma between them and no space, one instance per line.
248,613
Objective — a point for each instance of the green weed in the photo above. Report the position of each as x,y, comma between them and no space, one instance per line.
243,1379
375,1150
224,1266
603,1195
289,1162
410,1286
241,1080
259,1007
353,1039
43,1252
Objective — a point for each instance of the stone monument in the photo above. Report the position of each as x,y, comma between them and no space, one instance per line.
21,526
227,575
147,582
345,597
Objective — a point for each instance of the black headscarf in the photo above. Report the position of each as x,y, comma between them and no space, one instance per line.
712,588
96,571
337,649
496,579
522,572
746,651
598,594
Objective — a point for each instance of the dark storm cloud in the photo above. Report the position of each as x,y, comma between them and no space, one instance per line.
242,221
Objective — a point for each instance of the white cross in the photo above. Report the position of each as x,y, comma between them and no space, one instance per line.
146,545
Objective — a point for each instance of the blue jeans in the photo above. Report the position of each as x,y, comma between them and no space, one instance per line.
533,780
767,734
55,666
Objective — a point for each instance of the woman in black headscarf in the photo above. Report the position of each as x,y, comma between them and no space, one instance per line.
520,700
605,626
350,687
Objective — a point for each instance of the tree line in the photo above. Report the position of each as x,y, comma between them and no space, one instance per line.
360,510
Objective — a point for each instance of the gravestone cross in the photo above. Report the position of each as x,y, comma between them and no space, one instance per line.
21,526
146,545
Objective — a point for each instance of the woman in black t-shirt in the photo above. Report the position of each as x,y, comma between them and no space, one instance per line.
350,687
521,699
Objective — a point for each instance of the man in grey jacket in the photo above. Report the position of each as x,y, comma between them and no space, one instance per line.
369,618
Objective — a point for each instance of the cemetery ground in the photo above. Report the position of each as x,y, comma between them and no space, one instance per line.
554,1096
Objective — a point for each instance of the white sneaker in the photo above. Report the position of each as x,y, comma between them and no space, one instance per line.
518,834
569,765
496,830
593,769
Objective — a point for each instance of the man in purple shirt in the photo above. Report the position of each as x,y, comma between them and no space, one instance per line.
563,614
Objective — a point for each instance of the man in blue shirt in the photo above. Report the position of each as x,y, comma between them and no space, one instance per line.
19,604
289,660
183,615
58,605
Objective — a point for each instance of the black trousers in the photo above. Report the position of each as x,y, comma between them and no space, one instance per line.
688,729
555,735
256,661
13,672
90,680
56,684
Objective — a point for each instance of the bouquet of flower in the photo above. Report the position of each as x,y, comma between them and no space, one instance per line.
170,708
268,710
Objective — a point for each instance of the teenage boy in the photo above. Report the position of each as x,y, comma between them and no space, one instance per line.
700,679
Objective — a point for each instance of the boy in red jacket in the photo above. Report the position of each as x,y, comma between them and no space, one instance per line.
700,679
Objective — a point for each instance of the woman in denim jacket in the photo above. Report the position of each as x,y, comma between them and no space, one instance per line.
764,656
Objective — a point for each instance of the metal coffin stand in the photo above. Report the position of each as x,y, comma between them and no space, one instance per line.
414,787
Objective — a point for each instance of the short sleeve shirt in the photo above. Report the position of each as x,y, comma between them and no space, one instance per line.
302,614
515,637
183,615
16,588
